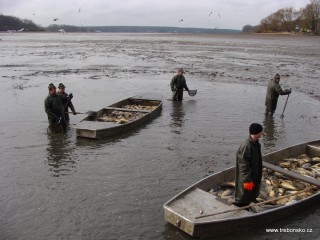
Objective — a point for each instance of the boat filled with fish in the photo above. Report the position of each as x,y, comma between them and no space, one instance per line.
120,117
290,183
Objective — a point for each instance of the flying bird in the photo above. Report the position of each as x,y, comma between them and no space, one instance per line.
181,20
55,19
79,10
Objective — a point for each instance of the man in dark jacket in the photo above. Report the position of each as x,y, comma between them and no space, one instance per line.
249,167
177,84
67,102
54,107
273,92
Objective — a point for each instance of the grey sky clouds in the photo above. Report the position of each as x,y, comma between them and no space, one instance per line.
234,14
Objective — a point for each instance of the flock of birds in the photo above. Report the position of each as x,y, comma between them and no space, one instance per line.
212,14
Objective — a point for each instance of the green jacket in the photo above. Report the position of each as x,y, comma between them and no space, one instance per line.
54,107
248,169
178,83
273,92
68,104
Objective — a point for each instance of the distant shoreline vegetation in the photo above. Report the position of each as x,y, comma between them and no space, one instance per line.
14,24
305,21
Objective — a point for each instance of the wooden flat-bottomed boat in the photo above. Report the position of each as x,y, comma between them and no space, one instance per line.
120,117
199,213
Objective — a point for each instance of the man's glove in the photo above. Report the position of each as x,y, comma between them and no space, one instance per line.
74,113
70,96
288,91
248,186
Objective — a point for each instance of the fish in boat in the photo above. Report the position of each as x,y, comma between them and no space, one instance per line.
120,117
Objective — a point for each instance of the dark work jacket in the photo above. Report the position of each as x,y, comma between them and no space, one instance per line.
248,169
68,104
178,83
273,92
54,107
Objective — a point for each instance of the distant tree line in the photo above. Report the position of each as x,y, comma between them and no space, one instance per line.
10,23
306,19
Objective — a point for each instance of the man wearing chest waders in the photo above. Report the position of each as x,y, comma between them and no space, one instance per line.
249,167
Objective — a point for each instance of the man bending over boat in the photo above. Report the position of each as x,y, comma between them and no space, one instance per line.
177,84
249,168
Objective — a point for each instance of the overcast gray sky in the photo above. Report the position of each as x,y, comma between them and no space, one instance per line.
230,14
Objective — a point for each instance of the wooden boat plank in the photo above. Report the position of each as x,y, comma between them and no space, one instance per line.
96,125
198,201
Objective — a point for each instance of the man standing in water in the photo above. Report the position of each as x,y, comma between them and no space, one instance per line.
177,84
273,92
249,167
54,107
67,102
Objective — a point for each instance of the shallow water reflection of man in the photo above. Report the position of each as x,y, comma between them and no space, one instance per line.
270,132
274,133
177,117
59,154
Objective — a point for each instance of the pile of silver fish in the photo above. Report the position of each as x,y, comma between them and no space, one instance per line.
275,185
139,107
120,117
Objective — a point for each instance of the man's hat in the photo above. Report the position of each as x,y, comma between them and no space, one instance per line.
181,70
277,76
61,85
255,128
51,85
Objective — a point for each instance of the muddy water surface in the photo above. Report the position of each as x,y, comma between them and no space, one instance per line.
64,187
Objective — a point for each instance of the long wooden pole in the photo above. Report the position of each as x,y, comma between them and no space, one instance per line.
256,204
285,106
291,174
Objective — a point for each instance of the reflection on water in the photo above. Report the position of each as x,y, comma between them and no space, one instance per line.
274,132
59,155
177,117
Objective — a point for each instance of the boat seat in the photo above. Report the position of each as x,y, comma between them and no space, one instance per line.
95,125
197,202
313,150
